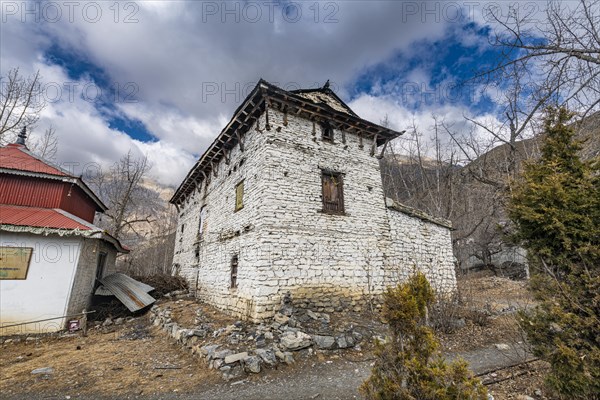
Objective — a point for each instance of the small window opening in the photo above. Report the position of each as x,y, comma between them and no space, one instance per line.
241,162
239,196
182,227
100,266
234,272
202,222
333,192
326,131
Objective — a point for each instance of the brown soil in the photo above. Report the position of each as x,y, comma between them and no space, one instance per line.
101,363
484,291
136,359
522,380
184,313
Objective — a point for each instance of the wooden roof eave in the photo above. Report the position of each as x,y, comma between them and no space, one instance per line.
325,111
345,121
255,100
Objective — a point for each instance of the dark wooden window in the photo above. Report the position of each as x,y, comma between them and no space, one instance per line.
234,271
239,196
333,192
326,131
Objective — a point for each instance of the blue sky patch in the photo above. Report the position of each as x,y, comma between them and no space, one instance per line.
98,90
76,65
133,127
434,73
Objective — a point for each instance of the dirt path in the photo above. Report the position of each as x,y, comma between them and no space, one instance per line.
334,379
338,380
132,362
488,358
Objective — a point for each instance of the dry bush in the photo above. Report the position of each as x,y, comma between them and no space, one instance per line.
163,284
410,366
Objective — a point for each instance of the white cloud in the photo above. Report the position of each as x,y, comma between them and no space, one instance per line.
193,65
376,109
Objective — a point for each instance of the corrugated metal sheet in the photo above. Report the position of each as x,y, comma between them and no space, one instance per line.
133,294
46,193
25,191
27,180
14,156
38,217
77,202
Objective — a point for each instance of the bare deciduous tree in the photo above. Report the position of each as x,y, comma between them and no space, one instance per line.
564,45
154,255
418,173
21,101
138,216
45,146
130,203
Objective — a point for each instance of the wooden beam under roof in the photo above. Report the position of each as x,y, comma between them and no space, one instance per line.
241,122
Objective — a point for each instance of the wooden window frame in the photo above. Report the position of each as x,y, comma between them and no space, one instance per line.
241,206
341,205
233,275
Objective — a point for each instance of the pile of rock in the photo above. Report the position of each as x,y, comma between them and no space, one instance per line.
242,348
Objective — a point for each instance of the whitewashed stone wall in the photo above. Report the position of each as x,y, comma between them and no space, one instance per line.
283,240
420,245
205,260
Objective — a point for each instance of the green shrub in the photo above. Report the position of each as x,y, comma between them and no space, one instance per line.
409,365
556,210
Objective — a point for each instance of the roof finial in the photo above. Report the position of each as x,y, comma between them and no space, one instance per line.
326,85
22,136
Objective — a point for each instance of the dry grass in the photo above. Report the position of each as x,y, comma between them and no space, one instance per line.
101,361
524,380
111,364
184,313
483,290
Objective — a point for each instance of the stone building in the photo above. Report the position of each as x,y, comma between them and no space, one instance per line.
289,199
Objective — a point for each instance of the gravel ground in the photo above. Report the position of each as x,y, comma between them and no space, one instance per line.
333,379
115,366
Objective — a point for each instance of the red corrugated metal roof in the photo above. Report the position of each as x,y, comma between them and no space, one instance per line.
17,157
38,217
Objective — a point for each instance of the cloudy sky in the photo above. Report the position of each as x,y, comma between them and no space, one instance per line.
163,78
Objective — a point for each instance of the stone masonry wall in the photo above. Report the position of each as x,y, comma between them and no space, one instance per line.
204,258
420,245
324,261
285,243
